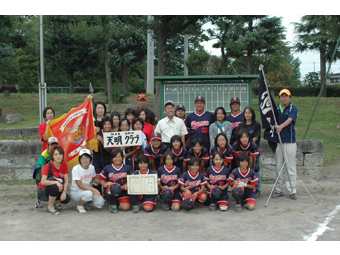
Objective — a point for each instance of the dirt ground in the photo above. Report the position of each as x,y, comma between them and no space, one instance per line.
281,220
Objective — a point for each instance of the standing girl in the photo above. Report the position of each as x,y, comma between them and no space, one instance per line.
254,129
148,128
115,116
48,115
99,113
221,125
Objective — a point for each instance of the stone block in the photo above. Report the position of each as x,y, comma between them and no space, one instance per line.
11,118
299,159
23,174
267,159
310,146
29,132
314,159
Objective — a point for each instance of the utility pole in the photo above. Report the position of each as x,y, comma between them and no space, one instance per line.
186,39
42,84
150,61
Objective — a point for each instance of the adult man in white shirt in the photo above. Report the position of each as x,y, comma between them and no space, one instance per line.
171,125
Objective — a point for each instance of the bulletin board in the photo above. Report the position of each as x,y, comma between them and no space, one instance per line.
217,90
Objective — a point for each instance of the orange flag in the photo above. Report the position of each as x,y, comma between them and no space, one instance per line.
75,131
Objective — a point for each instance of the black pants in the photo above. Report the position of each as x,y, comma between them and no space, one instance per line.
53,191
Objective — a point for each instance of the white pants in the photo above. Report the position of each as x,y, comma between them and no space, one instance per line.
87,195
286,153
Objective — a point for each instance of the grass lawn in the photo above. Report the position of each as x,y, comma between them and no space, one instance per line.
323,126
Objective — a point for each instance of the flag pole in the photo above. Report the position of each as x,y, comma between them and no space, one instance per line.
284,156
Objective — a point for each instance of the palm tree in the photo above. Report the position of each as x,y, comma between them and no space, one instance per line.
313,34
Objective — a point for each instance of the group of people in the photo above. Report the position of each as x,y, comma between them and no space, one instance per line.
197,158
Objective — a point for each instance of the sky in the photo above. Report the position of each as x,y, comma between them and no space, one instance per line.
310,60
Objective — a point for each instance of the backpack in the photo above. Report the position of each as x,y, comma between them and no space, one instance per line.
37,174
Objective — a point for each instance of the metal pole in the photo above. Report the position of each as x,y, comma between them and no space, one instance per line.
42,84
186,39
150,60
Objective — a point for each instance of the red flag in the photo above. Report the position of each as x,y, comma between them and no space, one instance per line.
75,131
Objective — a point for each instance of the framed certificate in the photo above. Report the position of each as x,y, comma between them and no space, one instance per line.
142,184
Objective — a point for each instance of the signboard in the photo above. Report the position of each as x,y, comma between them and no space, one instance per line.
215,95
142,184
122,138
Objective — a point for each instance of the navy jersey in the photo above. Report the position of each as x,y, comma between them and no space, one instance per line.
168,177
156,155
227,153
235,120
148,172
192,182
249,178
250,149
198,126
118,175
217,177
101,158
203,155
180,157
254,130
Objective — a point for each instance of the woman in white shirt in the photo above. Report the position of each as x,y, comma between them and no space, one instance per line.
82,191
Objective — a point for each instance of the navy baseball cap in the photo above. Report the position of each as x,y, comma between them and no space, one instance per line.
180,106
167,195
235,100
237,192
115,189
200,98
217,192
188,204
156,135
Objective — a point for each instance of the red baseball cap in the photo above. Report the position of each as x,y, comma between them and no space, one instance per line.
142,96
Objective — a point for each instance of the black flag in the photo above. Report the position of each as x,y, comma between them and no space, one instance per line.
267,107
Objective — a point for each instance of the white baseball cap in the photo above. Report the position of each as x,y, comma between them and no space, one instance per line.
85,151
52,140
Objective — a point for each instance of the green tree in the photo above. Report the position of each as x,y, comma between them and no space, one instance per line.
62,50
316,32
312,80
198,62
166,27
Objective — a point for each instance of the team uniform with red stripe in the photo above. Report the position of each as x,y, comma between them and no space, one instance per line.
203,155
236,120
147,200
114,175
198,126
250,149
154,154
227,153
250,178
192,183
169,177
180,157
218,177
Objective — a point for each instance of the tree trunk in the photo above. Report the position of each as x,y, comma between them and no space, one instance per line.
224,62
71,81
250,50
107,74
125,77
323,72
162,58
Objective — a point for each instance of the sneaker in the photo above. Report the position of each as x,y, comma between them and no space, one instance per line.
258,193
166,207
38,204
113,208
55,212
238,208
277,194
81,209
87,206
292,196
135,209
212,207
